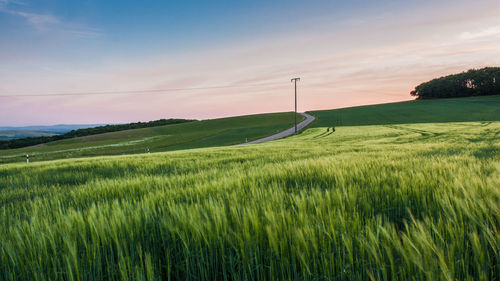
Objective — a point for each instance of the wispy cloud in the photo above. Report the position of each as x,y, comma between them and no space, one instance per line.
4,3
38,20
48,22
491,32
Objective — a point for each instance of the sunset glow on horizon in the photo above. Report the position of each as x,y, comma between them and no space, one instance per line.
347,54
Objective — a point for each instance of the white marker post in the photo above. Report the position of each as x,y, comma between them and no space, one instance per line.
148,150
27,158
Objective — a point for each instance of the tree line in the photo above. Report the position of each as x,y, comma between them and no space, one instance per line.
475,82
24,142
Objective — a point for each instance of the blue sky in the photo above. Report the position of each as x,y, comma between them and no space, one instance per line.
111,28
348,53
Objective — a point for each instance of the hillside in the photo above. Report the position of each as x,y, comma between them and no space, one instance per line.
227,131
38,140
387,202
216,132
485,108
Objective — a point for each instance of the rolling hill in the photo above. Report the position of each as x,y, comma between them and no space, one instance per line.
228,131
215,132
486,108
56,129
18,134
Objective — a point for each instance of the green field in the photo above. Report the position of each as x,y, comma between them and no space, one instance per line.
234,130
215,132
486,108
387,202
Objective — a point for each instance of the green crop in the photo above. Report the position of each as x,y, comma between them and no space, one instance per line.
394,202
485,108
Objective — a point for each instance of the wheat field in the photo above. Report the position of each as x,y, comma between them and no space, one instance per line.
394,202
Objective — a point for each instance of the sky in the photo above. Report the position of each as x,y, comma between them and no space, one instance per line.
95,62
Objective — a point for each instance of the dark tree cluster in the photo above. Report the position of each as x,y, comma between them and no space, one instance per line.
475,82
24,142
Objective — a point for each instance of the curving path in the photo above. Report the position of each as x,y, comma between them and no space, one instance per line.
285,133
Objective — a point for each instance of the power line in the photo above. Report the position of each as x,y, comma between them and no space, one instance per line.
295,80
144,92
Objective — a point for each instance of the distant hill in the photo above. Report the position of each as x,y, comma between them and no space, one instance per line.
18,134
233,130
485,108
196,134
35,140
56,129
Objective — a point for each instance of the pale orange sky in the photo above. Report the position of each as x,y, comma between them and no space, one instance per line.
364,58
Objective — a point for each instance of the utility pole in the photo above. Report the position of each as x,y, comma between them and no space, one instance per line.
295,80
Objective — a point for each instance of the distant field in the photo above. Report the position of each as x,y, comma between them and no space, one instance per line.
216,132
485,108
13,134
227,131
387,202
